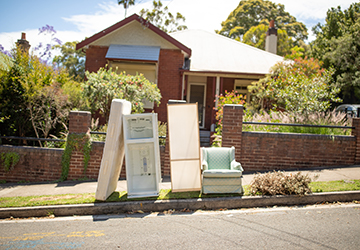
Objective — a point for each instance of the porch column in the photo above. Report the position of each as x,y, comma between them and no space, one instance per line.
182,85
217,91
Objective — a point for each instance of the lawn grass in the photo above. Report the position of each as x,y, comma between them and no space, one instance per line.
165,194
333,186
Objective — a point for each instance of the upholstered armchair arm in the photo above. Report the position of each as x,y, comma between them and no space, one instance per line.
204,165
236,166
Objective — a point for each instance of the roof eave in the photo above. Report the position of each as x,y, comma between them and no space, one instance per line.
210,72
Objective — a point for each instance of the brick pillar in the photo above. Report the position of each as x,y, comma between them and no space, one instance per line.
356,132
79,123
232,128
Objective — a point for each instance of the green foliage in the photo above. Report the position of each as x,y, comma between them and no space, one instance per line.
300,86
279,183
335,186
332,118
251,13
71,59
16,120
337,44
162,18
296,52
33,100
256,37
105,85
73,90
96,128
9,159
162,128
229,98
126,4
75,141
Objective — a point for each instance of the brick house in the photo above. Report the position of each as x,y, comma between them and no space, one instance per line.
190,65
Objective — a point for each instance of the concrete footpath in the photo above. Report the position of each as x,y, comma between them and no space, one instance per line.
77,187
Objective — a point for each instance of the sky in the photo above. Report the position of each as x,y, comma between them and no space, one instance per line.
76,19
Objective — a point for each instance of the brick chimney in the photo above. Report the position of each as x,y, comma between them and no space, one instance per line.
23,44
271,38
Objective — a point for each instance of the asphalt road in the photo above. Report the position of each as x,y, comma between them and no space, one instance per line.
312,227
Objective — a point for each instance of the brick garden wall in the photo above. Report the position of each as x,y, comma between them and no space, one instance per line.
44,164
35,165
256,151
259,151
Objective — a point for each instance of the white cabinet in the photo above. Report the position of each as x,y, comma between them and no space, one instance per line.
142,155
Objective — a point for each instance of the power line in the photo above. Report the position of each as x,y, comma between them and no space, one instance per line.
169,3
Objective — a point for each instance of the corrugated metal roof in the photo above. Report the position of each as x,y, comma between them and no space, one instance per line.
217,53
132,52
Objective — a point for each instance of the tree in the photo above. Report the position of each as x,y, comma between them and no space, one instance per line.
251,13
162,18
126,4
31,96
105,85
337,44
256,37
71,59
14,118
299,86
45,50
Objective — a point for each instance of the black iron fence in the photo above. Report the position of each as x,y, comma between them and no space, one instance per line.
297,125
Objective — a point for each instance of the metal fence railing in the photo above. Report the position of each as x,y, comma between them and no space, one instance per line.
31,138
297,125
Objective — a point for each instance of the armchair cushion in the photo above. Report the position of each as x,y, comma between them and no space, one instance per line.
222,173
218,158
222,181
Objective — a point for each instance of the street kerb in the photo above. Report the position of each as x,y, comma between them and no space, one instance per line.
191,204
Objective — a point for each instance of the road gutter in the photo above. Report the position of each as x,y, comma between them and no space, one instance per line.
191,204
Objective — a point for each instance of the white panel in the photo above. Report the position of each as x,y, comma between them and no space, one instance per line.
185,175
183,131
184,145
113,153
143,173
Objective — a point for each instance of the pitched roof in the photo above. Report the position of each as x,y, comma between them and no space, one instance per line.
216,53
128,20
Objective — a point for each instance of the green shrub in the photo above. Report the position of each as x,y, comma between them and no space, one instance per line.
279,183
9,160
162,132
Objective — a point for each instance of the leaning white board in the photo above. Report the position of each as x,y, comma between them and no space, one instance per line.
113,153
184,147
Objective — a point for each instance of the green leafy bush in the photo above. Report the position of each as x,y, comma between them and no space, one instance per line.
9,160
105,85
162,132
300,86
279,183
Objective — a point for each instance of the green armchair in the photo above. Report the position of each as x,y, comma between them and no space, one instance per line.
220,172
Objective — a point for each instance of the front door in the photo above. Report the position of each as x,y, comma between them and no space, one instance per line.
196,93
